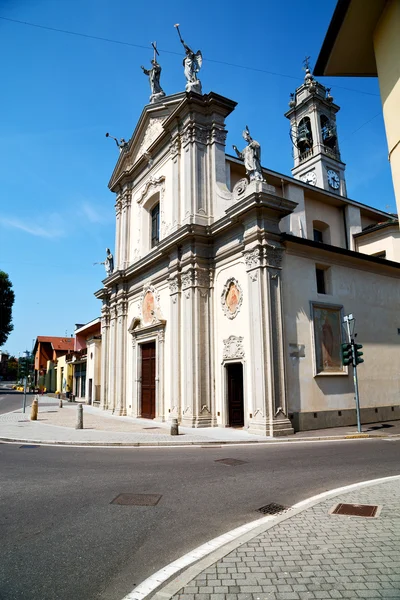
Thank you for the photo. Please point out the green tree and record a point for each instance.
(7, 298)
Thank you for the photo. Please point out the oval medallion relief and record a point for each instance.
(231, 298)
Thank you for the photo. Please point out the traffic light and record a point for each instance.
(347, 354)
(358, 354)
(23, 367)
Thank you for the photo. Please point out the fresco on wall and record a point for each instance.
(328, 339)
(148, 308)
(232, 298)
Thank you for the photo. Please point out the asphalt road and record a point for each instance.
(61, 539)
(11, 400)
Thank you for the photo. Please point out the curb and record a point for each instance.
(182, 444)
(166, 582)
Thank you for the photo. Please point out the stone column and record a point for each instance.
(278, 421)
(174, 328)
(160, 400)
(266, 335)
(126, 227)
(120, 358)
(257, 370)
(175, 150)
(112, 358)
(196, 367)
(117, 252)
(105, 356)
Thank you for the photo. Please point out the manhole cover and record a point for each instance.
(272, 509)
(29, 446)
(356, 510)
(232, 462)
(137, 499)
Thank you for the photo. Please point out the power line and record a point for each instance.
(361, 126)
(122, 43)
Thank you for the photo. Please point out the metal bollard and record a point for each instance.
(79, 417)
(60, 405)
(174, 427)
(34, 409)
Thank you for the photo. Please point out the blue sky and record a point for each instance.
(61, 93)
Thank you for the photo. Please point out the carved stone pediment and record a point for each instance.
(149, 128)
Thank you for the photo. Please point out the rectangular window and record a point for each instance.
(321, 284)
(155, 225)
(317, 236)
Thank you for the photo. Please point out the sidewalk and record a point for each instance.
(57, 426)
(302, 554)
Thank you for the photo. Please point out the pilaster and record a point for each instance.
(196, 357)
(111, 367)
(174, 327)
(263, 265)
(120, 362)
(105, 358)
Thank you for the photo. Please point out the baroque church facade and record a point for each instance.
(226, 303)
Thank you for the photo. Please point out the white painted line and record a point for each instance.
(154, 581)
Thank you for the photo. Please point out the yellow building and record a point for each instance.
(64, 375)
(363, 40)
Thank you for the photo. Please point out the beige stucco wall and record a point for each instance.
(373, 297)
(379, 241)
(331, 215)
(387, 53)
(67, 375)
(93, 369)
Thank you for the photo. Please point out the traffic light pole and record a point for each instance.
(355, 377)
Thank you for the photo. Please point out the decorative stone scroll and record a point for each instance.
(240, 188)
(233, 348)
(231, 298)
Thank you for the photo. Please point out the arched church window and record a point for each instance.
(304, 139)
(328, 130)
(155, 225)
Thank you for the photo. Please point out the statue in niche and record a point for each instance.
(154, 77)
(192, 65)
(251, 155)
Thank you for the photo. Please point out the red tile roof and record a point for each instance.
(57, 343)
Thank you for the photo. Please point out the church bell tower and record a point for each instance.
(312, 116)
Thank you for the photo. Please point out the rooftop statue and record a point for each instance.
(108, 263)
(154, 77)
(192, 65)
(122, 143)
(251, 155)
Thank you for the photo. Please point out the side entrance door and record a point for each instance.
(234, 374)
(148, 400)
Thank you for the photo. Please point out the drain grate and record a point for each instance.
(152, 428)
(137, 499)
(231, 462)
(369, 511)
(29, 446)
(272, 509)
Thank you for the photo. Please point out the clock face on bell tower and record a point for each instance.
(312, 115)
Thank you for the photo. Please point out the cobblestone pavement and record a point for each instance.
(314, 554)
